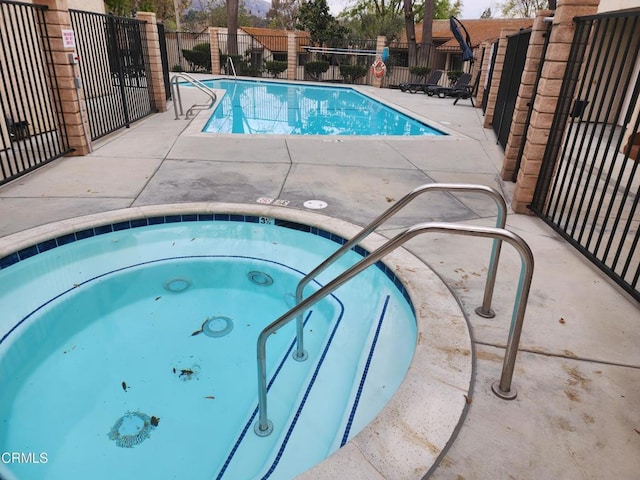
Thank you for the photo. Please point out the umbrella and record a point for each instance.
(465, 43)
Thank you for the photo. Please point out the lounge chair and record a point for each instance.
(460, 90)
(431, 82)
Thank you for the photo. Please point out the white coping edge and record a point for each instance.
(416, 427)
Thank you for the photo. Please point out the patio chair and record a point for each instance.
(461, 89)
(431, 82)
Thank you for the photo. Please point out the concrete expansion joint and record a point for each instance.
(567, 354)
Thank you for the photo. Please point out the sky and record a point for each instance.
(470, 8)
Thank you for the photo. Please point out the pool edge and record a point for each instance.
(409, 436)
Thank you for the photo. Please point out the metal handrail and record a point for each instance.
(177, 99)
(501, 388)
(484, 310)
(233, 68)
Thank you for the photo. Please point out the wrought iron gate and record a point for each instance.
(589, 186)
(114, 66)
(514, 60)
(164, 58)
(30, 133)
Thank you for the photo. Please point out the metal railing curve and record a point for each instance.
(177, 99)
(233, 67)
(501, 388)
(484, 310)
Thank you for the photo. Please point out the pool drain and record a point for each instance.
(260, 278)
(177, 285)
(217, 326)
(132, 429)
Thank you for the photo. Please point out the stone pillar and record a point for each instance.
(498, 66)
(292, 56)
(215, 51)
(380, 44)
(525, 93)
(155, 60)
(71, 110)
(545, 105)
(485, 66)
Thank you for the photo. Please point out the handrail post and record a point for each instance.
(196, 83)
(503, 388)
(484, 310)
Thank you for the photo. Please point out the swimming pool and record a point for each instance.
(277, 108)
(424, 403)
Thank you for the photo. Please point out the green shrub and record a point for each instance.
(275, 68)
(176, 68)
(454, 75)
(351, 73)
(420, 72)
(199, 57)
(316, 69)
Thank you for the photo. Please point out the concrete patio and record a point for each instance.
(576, 415)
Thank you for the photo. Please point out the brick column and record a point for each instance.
(381, 41)
(525, 93)
(498, 66)
(292, 56)
(155, 60)
(215, 51)
(485, 66)
(71, 110)
(555, 63)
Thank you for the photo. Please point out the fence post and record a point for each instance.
(498, 66)
(155, 59)
(215, 51)
(485, 66)
(381, 41)
(292, 56)
(555, 64)
(71, 111)
(525, 93)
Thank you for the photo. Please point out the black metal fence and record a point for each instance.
(30, 132)
(515, 57)
(589, 186)
(188, 52)
(164, 57)
(114, 65)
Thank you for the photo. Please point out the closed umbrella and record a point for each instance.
(465, 43)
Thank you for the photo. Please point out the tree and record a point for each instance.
(232, 27)
(410, 27)
(523, 8)
(368, 25)
(427, 31)
(370, 18)
(283, 13)
(314, 18)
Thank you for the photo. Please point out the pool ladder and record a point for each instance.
(177, 99)
(228, 64)
(502, 388)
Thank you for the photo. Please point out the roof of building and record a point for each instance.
(275, 40)
(479, 30)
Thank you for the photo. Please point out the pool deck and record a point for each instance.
(577, 374)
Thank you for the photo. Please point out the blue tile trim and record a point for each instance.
(9, 260)
(287, 436)
(363, 378)
(28, 252)
(255, 411)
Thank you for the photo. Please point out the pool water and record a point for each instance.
(131, 354)
(258, 107)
